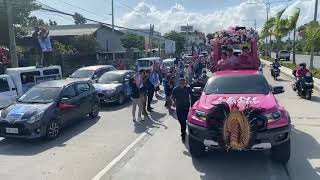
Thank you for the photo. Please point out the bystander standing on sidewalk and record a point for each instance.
(143, 91)
(181, 98)
(135, 97)
(168, 84)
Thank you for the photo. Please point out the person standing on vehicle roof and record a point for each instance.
(181, 98)
(231, 58)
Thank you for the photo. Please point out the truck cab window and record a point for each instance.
(4, 86)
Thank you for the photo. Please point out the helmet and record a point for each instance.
(276, 59)
(303, 64)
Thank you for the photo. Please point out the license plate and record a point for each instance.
(12, 130)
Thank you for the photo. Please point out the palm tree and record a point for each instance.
(293, 26)
(277, 27)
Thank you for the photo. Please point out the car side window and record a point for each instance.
(82, 87)
(69, 92)
(4, 86)
(100, 72)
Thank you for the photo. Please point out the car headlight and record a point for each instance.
(201, 115)
(110, 91)
(35, 118)
(275, 116)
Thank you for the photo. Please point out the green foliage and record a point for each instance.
(178, 38)
(63, 49)
(79, 19)
(84, 44)
(21, 17)
(130, 41)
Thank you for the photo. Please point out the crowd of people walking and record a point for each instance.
(176, 92)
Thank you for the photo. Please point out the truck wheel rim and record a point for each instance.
(95, 110)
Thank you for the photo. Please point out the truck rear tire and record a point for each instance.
(196, 148)
(281, 153)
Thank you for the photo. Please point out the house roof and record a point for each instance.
(70, 30)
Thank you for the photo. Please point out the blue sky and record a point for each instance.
(204, 15)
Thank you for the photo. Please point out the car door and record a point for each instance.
(8, 93)
(85, 97)
(68, 114)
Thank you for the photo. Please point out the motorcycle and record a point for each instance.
(275, 72)
(305, 87)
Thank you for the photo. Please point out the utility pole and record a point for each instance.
(268, 4)
(13, 51)
(315, 20)
(113, 33)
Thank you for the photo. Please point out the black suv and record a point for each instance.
(47, 107)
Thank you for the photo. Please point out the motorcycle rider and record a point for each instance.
(275, 65)
(300, 72)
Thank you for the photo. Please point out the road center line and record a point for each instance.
(118, 158)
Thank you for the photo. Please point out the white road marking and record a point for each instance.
(118, 158)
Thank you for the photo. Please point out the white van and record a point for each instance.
(147, 63)
(16, 81)
(169, 63)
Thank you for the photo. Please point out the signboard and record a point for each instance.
(170, 46)
(186, 28)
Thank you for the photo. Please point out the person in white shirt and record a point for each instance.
(233, 60)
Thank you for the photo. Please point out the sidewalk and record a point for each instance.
(288, 72)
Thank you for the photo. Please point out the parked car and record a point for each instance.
(47, 107)
(92, 73)
(284, 55)
(233, 116)
(113, 86)
(147, 63)
(16, 81)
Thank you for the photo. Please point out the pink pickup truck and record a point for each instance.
(237, 110)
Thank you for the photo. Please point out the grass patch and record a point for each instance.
(315, 72)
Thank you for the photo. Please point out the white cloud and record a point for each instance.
(165, 20)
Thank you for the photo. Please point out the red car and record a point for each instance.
(237, 110)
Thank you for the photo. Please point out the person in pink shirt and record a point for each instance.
(245, 59)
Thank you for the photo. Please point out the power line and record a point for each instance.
(125, 5)
(72, 5)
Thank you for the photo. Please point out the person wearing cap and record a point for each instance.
(181, 98)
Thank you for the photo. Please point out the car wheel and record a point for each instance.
(196, 148)
(121, 99)
(281, 153)
(53, 129)
(94, 110)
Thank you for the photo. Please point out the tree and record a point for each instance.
(293, 26)
(79, 19)
(312, 36)
(53, 23)
(277, 27)
(130, 41)
(178, 38)
(210, 36)
(21, 10)
(84, 44)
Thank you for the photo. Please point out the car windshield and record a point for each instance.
(110, 78)
(143, 63)
(40, 95)
(82, 73)
(234, 84)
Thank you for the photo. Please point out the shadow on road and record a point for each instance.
(304, 149)
(151, 121)
(22, 147)
(114, 106)
(315, 99)
(258, 165)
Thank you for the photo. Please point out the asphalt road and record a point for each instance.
(113, 147)
(300, 58)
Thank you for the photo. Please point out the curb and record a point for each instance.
(288, 72)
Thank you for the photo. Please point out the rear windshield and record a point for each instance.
(238, 84)
(82, 73)
(110, 78)
(143, 63)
